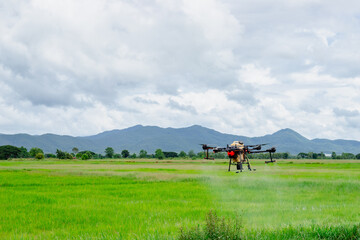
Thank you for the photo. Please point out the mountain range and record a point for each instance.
(151, 138)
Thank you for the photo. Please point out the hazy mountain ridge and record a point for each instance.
(175, 139)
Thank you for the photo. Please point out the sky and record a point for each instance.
(243, 67)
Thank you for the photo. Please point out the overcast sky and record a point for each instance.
(243, 67)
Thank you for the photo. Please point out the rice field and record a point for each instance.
(153, 199)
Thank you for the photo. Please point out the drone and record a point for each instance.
(237, 153)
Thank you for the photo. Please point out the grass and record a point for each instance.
(232, 229)
(214, 228)
(147, 199)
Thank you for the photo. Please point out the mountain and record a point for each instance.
(151, 138)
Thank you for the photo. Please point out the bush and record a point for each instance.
(63, 155)
(215, 228)
(89, 153)
(98, 156)
(85, 156)
(34, 151)
(50, 155)
(39, 156)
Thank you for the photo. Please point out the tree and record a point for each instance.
(125, 153)
(109, 152)
(75, 150)
(302, 155)
(312, 155)
(221, 155)
(142, 153)
(85, 156)
(333, 155)
(133, 155)
(321, 155)
(347, 156)
(97, 156)
(63, 155)
(23, 153)
(170, 154)
(8, 151)
(357, 156)
(182, 154)
(60, 154)
(159, 154)
(191, 154)
(33, 151)
(201, 154)
(89, 153)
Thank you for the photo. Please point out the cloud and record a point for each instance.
(250, 73)
(346, 113)
(144, 100)
(242, 95)
(187, 108)
(244, 67)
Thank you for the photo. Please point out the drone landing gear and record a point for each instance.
(239, 165)
(248, 163)
(271, 159)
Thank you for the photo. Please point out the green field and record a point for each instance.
(148, 199)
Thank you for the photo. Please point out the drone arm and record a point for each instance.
(271, 150)
(216, 150)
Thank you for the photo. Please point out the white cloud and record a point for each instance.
(242, 67)
(324, 35)
(250, 73)
(215, 20)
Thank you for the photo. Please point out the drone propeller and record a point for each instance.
(205, 146)
(262, 144)
(273, 149)
(257, 147)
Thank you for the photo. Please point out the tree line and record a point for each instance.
(8, 151)
(302, 155)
